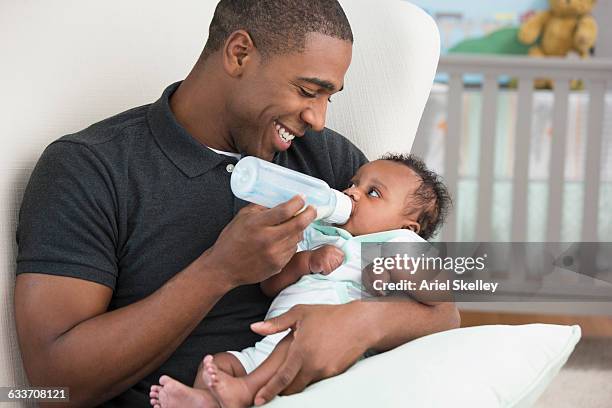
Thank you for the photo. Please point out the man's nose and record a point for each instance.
(314, 114)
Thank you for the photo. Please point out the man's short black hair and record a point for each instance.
(431, 197)
(277, 26)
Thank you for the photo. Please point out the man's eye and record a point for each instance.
(374, 193)
(307, 94)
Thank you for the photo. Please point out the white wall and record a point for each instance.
(603, 15)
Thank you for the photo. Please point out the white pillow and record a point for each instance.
(484, 366)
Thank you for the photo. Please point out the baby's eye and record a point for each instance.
(373, 193)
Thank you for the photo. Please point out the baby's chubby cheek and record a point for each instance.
(350, 224)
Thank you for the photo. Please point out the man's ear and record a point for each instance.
(238, 51)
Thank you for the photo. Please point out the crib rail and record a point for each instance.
(597, 77)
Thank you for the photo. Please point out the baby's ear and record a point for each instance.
(413, 226)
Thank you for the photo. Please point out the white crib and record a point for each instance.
(505, 178)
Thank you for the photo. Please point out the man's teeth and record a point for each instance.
(284, 134)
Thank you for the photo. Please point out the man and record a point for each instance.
(134, 257)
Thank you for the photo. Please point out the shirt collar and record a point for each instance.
(383, 236)
(187, 154)
(330, 230)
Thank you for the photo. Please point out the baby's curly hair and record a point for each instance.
(432, 196)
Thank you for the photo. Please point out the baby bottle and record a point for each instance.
(269, 184)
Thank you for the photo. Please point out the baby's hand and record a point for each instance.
(325, 259)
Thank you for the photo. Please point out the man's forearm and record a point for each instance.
(391, 323)
(103, 356)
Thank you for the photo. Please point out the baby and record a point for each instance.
(395, 198)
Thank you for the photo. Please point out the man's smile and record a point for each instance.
(286, 134)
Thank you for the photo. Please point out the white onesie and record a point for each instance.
(341, 286)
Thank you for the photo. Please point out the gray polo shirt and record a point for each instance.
(131, 201)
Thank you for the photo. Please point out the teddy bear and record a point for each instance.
(566, 27)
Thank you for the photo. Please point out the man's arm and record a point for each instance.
(357, 327)
(410, 321)
(321, 260)
(68, 338)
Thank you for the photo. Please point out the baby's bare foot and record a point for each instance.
(231, 392)
(154, 395)
(173, 394)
